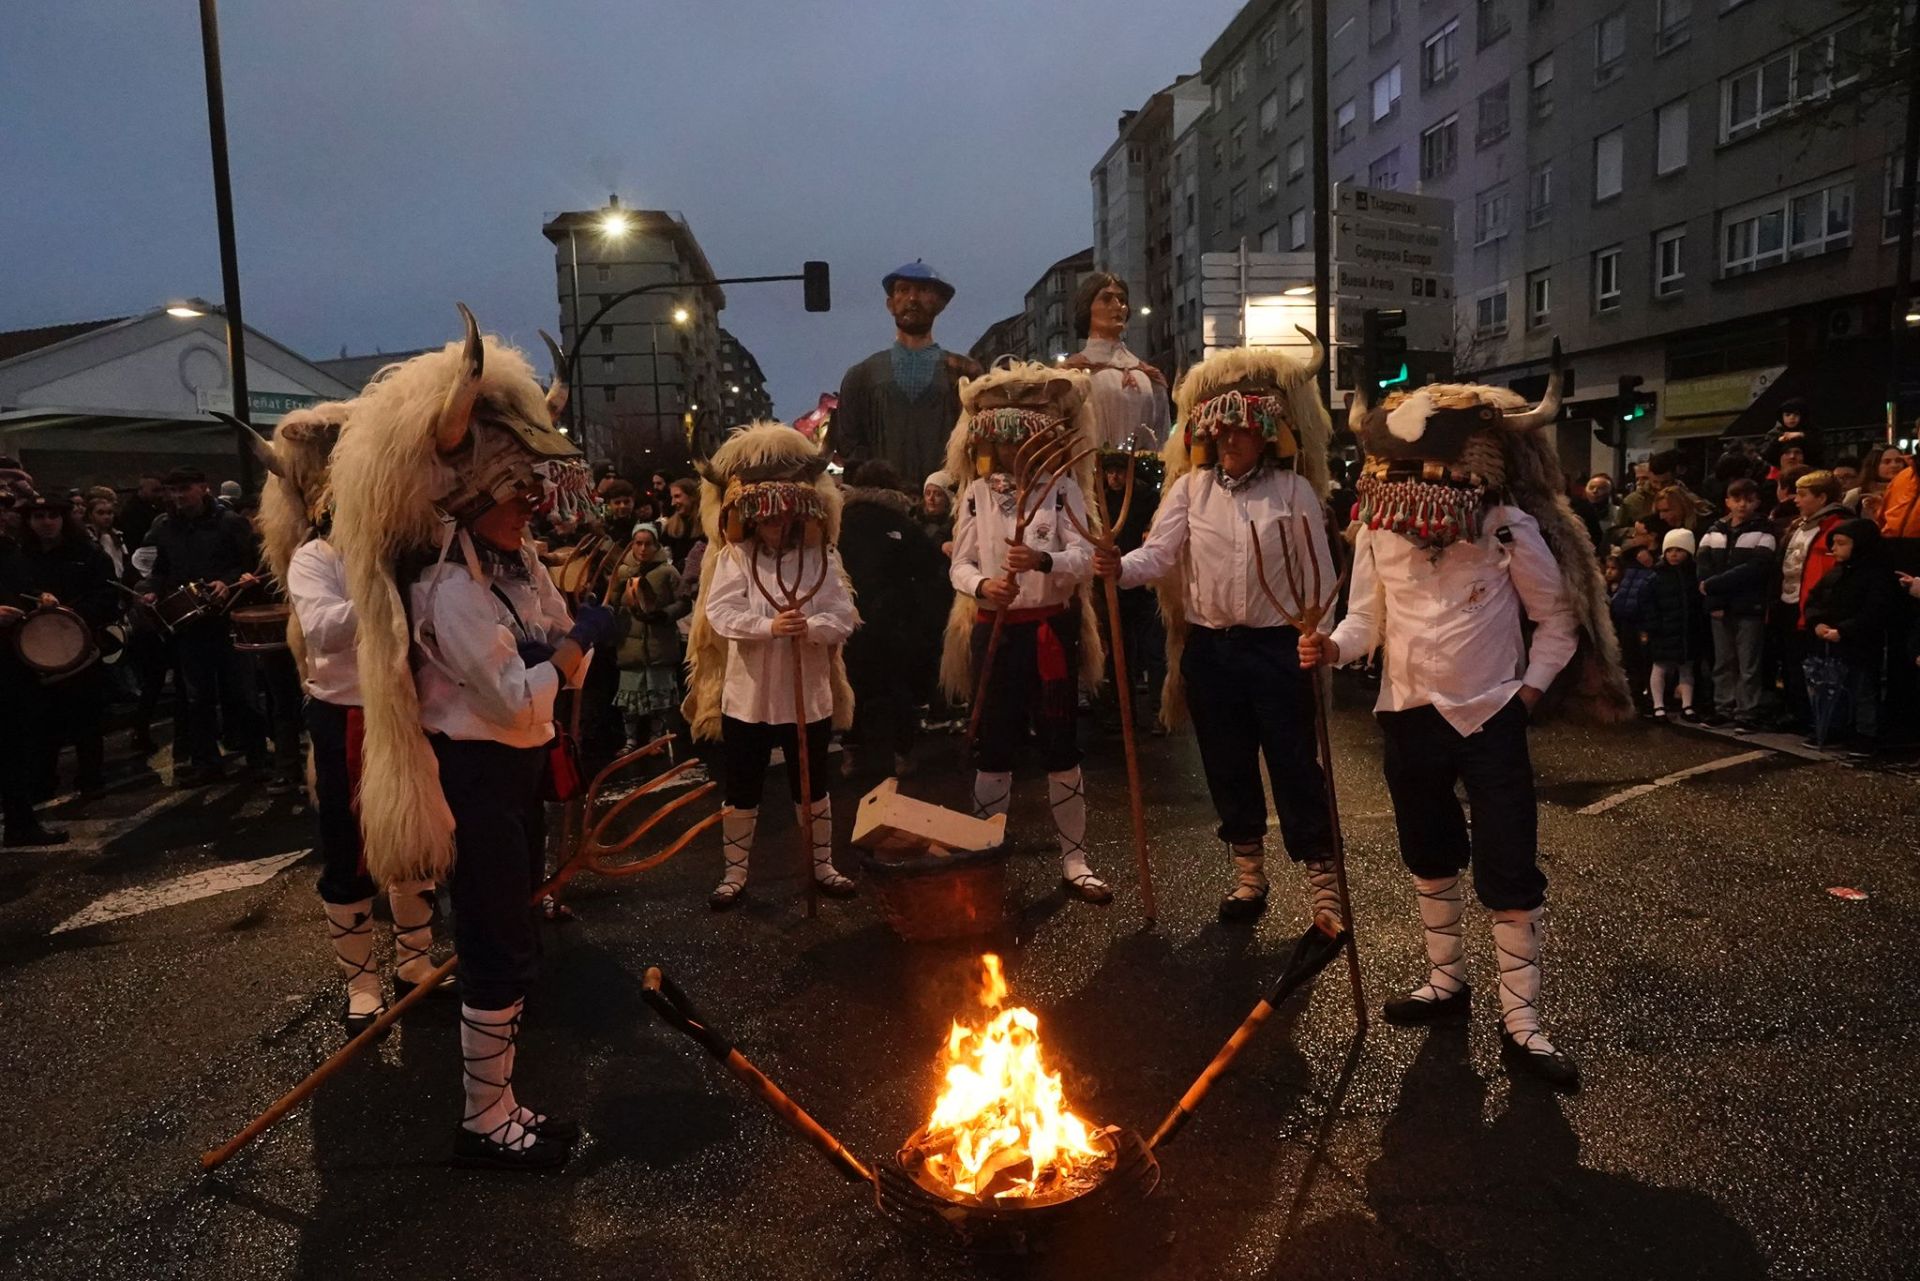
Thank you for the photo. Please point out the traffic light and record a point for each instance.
(1630, 404)
(1382, 335)
(816, 286)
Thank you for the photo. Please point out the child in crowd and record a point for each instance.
(1629, 582)
(1736, 573)
(1674, 627)
(1847, 613)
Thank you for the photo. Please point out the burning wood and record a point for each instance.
(1001, 1129)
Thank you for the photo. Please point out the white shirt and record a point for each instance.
(1452, 626)
(1119, 410)
(759, 685)
(472, 683)
(317, 590)
(981, 532)
(1201, 526)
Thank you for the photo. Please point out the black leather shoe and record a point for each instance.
(1408, 1011)
(1556, 1069)
(478, 1152)
(447, 986)
(1242, 911)
(556, 1129)
(358, 1023)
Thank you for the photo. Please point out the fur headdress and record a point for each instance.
(1275, 394)
(763, 469)
(1439, 456)
(1004, 406)
(433, 439)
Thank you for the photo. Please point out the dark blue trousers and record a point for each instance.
(499, 836)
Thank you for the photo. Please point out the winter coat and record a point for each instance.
(1628, 604)
(649, 637)
(1736, 565)
(74, 571)
(1819, 554)
(1675, 619)
(899, 581)
(1857, 596)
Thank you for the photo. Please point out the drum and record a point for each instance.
(54, 642)
(182, 605)
(258, 628)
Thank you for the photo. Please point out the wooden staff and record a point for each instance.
(791, 598)
(1105, 541)
(1042, 459)
(1310, 606)
(585, 856)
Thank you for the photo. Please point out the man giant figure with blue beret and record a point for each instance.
(901, 403)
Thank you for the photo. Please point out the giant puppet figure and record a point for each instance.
(295, 522)
(1247, 461)
(463, 644)
(1466, 538)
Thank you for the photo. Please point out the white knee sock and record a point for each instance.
(820, 821)
(1657, 685)
(1325, 881)
(1686, 687)
(350, 927)
(1441, 904)
(1250, 871)
(486, 1066)
(991, 793)
(736, 843)
(412, 904)
(1067, 797)
(1516, 943)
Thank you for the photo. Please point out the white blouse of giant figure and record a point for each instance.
(1129, 398)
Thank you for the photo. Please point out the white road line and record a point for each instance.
(91, 835)
(181, 889)
(1667, 780)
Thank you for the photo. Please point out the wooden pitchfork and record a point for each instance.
(591, 854)
(1104, 540)
(1304, 583)
(1042, 459)
(791, 597)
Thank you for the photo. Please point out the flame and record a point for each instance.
(1001, 1126)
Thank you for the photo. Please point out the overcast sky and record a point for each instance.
(390, 156)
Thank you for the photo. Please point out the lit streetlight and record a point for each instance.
(184, 311)
(615, 225)
(681, 315)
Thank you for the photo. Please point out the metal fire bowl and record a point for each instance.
(920, 1205)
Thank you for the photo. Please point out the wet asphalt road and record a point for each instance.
(1748, 1042)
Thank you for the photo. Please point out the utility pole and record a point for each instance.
(1903, 282)
(223, 208)
(1322, 201)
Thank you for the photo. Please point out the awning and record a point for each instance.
(1692, 425)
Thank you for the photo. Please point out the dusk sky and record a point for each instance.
(390, 156)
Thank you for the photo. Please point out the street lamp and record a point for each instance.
(184, 311)
(681, 315)
(614, 224)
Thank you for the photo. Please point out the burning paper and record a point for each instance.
(1001, 1126)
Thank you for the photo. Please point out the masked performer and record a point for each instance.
(772, 514)
(294, 522)
(1249, 461)
(461, 634)
(1049, 635)
(1467, 538)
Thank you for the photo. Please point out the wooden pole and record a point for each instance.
(1134, 803)
(1320, 694)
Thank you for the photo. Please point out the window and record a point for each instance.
(1296, 88)
(1270, 180)
(606, 365)
(1296, 158)
(1237, 212)
(606, 333)
(1297, 229)
(1669, 261)
(1269, 114)
(1270, 45)
(1219, 96)
(1386, 93)
(1540, 88)
(1490, 313)
(603, 275)
(1606, 279)
(1493, 21)
(1540, 194)
(1439, 149)
(1609, 46)
(608, 393)
(1384, 173)
(1490, 214)
(1219, 152)
(1343, 117)
(1383, 20)
(1670, 137)
(1609, 156)
(1673, 24)
(1494, 117)
(1440, 55)
(1270, 239)
(1236, 79)
(1192, 216)
(1237, 143)
(1296, 19)
(1756, 95)
(1539, 298)
(1890, 215)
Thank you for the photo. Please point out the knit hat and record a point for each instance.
(940, 479)
(1681, 538)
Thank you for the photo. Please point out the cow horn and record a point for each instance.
(1319, 359)
(262, 450)
(456, 412)
(1549, 407)
(1362, 403)
(557, 389)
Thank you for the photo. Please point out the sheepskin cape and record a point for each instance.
(294, 498)
(762, 450)
(385, 477)
(1312, 429)
(957, 676)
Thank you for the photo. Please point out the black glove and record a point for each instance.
(593, 625)
(535, 652)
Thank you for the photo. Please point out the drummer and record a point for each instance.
(54, 566)
(198, 542)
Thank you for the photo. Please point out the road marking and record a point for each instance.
(181, 889)
(91, 835)
(1667, 780)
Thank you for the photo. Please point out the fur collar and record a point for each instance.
(892, 499)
